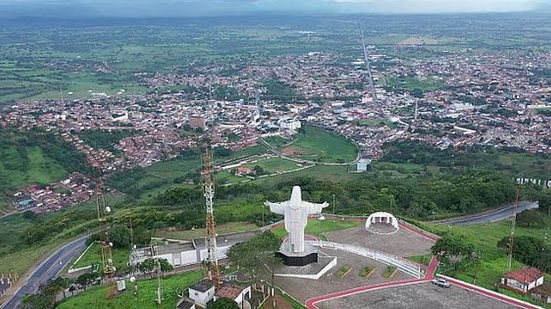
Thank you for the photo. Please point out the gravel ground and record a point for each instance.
(303, 289)
(402, 243)
(423, 295)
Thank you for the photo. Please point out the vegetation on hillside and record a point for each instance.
(104, 139)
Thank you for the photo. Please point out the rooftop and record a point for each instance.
(525, 274)
(229, 291)
(203, 285)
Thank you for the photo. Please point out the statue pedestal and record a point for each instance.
(297, 259)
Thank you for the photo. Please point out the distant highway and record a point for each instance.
(48, 269)
(491, 215)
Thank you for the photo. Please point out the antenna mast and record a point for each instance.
(211, 262)
(106, 254)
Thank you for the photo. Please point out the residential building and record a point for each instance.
(202, 292)
(523, 279)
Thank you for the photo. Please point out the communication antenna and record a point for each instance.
(211, 261)
(512, 237)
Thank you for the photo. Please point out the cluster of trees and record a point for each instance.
(473, 157)
(529, 250)
(151, 266)
(454, 251)
(221, 92)
(223, 303)
(251, 256)
(46, 296)
(121, 236)
(52, 145)
(280, 92)
(104, 139)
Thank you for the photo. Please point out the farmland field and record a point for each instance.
(318, 144)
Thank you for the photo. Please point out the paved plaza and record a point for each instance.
(421, 295)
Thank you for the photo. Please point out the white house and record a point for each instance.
(523, 279)
(202, 292)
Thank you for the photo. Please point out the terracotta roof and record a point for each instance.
(229, 291)
(525, 274)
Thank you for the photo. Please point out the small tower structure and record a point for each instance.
(211, 261)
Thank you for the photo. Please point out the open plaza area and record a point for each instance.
(420, 295)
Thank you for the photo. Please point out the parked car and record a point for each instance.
(441, 282)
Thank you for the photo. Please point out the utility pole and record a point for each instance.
(159, 287)
(334, 203)
(512, 237)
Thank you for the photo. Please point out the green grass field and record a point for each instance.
(17, 256)
(147, 182)
(270, 166)
(93, 257)
(97, 297)
(274, 165)
(318, 144)
(493, 261)
(221, 229)
(29, 165)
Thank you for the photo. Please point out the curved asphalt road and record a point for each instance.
(492, 215)
(48, 269)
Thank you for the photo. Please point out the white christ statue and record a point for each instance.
(296, 213)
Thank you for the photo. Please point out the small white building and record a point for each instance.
(381, 217)
(289, 124)
(202, 292)
(523, 279)
(188, 253)
(362, 164)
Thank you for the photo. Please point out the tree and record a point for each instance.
(150, 266)
(530, 218)
(223, 303)
(529, 250)
(453, 249)
(258, 169)
(252, 255)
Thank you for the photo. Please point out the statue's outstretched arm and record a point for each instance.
(314, 208)
(278, 208)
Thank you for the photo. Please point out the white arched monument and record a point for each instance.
(382, 218)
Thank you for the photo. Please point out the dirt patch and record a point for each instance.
(293, 151)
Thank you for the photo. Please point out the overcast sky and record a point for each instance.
(233, 7)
